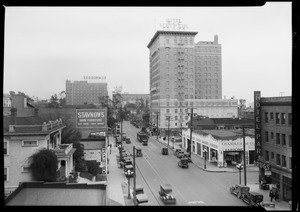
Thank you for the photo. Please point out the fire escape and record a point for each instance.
(180, 82)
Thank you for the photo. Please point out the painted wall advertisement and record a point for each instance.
(91, 118)
(257, 121)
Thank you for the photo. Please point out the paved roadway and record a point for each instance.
(191, 186)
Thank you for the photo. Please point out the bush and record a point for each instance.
(93, 167)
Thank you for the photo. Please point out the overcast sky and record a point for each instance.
(45, 46)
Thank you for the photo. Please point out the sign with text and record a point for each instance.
(257, 122)
(91, 118)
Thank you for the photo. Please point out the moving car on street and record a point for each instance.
(164, 151)
(238, 190)
(165, 194)
(183, 163)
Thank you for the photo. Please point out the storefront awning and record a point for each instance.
(232, 153)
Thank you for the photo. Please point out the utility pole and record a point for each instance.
(168, 117)
(157, 125)
(134, 177)
(189, 149)
(244, 156)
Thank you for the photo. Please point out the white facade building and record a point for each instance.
(223, 146)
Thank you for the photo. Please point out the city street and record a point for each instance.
(191, 186)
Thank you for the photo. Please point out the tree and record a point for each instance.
(43, 165)
(53, 101)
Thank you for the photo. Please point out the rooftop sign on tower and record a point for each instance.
(173, 24)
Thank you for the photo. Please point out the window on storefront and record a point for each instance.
(267, 155)
(278, 162)
(277, 138)
(5, 174)
(266, 116)
(5, 148)
(266, 136)
(290, 162)
(283, 161)
(272, 155)
(277, 118)
(290, 140)
(290, 119)
(271, 116)
(282, 118)
(272, 135)
(283, 139)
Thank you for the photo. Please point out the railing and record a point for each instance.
(63, 149)
(35, 128)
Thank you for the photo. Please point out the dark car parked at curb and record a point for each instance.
(252, 198)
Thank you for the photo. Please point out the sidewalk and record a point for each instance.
(212, 167)
(116, 180)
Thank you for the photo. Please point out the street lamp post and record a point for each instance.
(157, 125)
(129, 197)
(239, 167)
(189, 148)
(244, 156)
(134, 178)
(204, 151)
(168, 117)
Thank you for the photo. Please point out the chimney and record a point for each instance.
(216, 39)
(13, 115)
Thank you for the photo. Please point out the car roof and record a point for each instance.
(255, 193)
(129, 166)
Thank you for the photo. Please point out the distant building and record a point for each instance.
(183, 72)
(224, 147)
(273, 127)
(6, 104)
(84, 92)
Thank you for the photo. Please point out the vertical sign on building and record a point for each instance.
(257, 122)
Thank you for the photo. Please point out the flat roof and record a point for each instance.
(223, 134)
(55, 194)
(169, 32)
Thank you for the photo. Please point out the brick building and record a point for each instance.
(274, 126)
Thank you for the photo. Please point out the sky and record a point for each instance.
(45, 46)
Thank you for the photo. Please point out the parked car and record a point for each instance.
(164, 151)
(238, 190)
(187, 156)
(252, 198)
(177, 151)
(128, 171)
(128, 141)
(183, 163)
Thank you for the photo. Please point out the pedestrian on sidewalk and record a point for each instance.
(110, 148)
(276, 195)
(271, 195)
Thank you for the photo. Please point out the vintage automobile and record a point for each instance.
(177, 151)
(128, 141)
(187, 156)
(264, 186)
(183, 163)
(128, 170)
(139, 152)
(252, 198)
(165, 194)
(238, 190)
(164, 151)
(269, 206)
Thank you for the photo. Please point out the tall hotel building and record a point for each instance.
(185, 74)
(84, 92)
